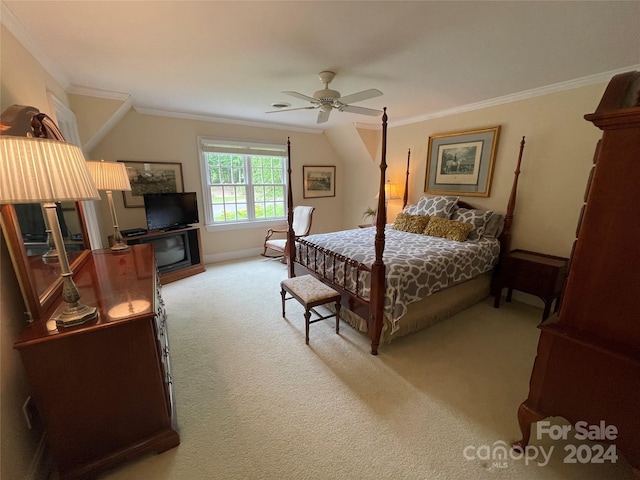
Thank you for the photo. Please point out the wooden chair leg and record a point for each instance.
(283, 294)
(338, 317)
(307, 316)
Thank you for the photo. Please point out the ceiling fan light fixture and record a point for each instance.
(327, 99)
(326, 94)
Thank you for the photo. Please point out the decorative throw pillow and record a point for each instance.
(411, 209)
(478, 218)
(436, 206)
(449, 229)
(410, 223)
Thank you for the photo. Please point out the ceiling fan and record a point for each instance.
(326, 100)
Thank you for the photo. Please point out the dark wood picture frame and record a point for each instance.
(319, 181)
(151, 177)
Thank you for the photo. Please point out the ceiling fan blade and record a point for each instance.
(323, 116)
(290, 109)
(360, 110)
(301, 96)
(358, 97)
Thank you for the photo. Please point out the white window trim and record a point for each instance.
(260, 223)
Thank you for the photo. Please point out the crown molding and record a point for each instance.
(225, 120)
(94, 92)
(17, 29)
(109, 124)
(536, 92)
(368, 126)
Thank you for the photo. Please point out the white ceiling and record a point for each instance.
(233, 59)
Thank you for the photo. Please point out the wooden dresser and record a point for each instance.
(588, 364)
(104, 388)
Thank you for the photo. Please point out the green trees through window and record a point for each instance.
(244, 186)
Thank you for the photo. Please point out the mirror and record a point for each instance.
(24, 226)
(38, 277)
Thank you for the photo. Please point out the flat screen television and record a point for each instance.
(169, 211)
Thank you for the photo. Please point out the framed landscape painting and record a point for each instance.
(151, 177)
(319, 181)
(461, 163)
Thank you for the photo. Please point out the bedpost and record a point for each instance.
(405, 197)
(376, 312)
(291, 236)
(505, 238)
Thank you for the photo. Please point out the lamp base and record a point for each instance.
(51, 256)
(76, 315)
(120, 247)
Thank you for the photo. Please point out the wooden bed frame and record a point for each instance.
(372, 309)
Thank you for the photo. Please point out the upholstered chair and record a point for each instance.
(302, 217)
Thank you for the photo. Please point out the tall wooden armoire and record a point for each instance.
(587, 367)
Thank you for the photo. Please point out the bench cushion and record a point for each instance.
(309, 289)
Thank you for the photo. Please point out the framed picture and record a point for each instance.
(151, 177)
(461, 163)
(319, 181)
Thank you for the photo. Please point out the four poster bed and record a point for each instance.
(396, 279)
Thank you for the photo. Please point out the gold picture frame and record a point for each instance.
(461, 163)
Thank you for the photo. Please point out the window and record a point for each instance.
(243, 181)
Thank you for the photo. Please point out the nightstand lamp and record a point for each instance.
(42, 170)
(391, 191)
(110, 176)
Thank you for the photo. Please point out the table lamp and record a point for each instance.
(109, 176)
(42, 170)
(391, 191)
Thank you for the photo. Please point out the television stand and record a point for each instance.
(173, 229)
(192, 264)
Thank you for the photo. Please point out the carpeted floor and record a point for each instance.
(254, 402)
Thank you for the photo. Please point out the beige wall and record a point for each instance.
(556, 161)
(23, 82)
(152, 138)
(95, 113)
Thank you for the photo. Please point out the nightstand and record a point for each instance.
(535, 273)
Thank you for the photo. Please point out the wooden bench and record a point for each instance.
(310, 292)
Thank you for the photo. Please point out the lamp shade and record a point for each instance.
(109, 175)
(391, 191)
(41, 170)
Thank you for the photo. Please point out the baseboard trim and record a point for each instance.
(236, 255)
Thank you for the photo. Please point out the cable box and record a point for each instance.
(134, 232)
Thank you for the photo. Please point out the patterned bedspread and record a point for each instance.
(416, 265)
